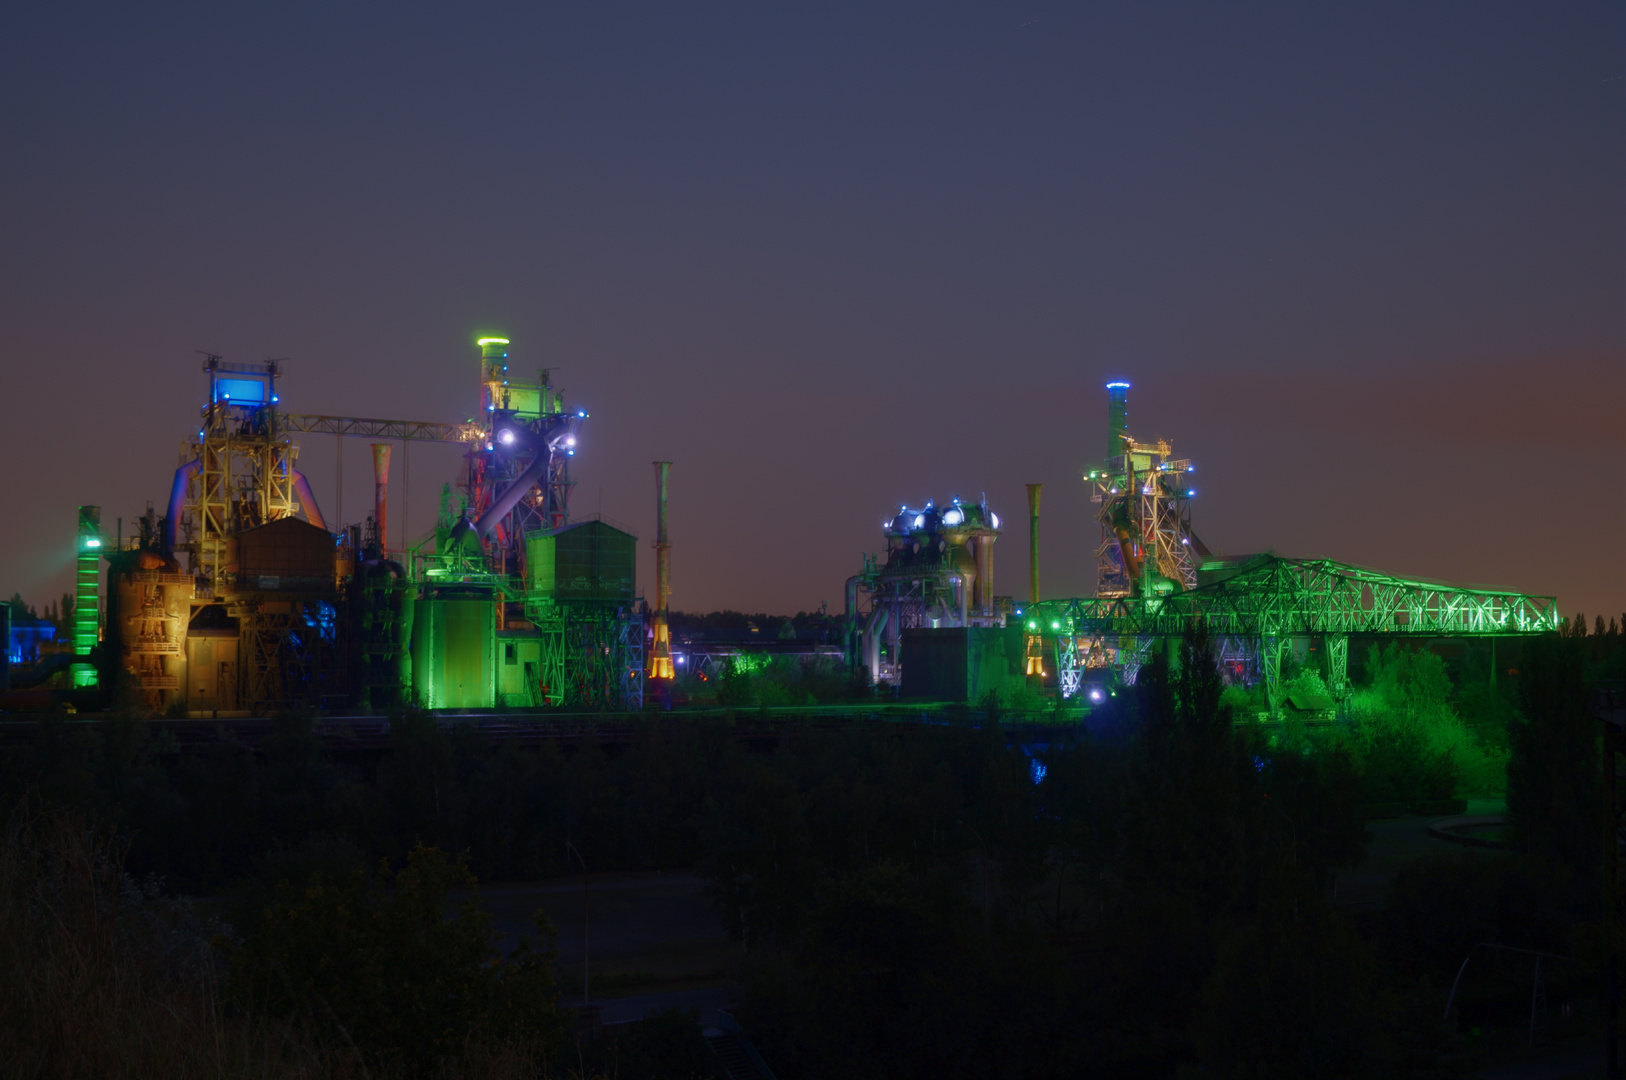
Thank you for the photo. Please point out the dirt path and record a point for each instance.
(1396, 842)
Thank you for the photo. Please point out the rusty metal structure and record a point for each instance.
(506, 602)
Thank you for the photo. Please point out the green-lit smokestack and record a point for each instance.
(86, 595)
(1117, 417)
(493, 371)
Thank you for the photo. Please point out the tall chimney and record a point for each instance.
(1033, 542)
(660, 659)
(1117, 417)
(381, 480)
(493, 373)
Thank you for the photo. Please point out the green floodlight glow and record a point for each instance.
(1055, 626)
(87, 597)
(749, 663)
(1033, 626)
(492, 341)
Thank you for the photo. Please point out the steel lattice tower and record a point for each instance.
(1144, 492)
(238, 473)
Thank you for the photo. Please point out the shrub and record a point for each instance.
(371, 963)
(1413, 746)
(1441, 906)
(1292, 994)
(106, 977)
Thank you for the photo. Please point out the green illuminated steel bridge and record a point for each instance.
(1253, 609)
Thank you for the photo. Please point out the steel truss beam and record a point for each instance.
(416, 430)
(1273, 596)
(592, 656)
(245, 478)
(1273, 599)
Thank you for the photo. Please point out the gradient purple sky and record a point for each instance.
(1365, 263)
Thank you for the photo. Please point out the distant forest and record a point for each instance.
(803, 624)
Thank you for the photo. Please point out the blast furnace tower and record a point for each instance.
(938, 573)
(1144, 492)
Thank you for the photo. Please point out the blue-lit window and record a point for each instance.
(241, 391)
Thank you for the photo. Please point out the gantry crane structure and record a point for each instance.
(1156, 580)
(1266, 601)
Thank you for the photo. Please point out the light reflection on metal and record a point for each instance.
(938, 572)
(660, 655)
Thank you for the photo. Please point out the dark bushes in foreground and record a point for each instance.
(105, 977)
(913, 900)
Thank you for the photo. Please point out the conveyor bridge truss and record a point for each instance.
(1253, 616)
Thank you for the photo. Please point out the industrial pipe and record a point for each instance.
(307, 499)
(1033, 542)
(177, 501)
(663, 543)
(514, 493)
(872, 642)
(849, 641)
(381, 482)
(660, 659)
(1122, 530)
(984, 584)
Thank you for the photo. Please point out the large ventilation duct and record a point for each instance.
(307, 499)
(516, 491)
(177, 502)
(557, 433)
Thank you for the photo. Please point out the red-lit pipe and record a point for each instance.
(381, 480)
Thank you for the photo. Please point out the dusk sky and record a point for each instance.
(1365, 264)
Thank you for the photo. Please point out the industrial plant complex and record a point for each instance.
(243, 598)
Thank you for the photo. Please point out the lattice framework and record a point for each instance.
(1254, 615)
